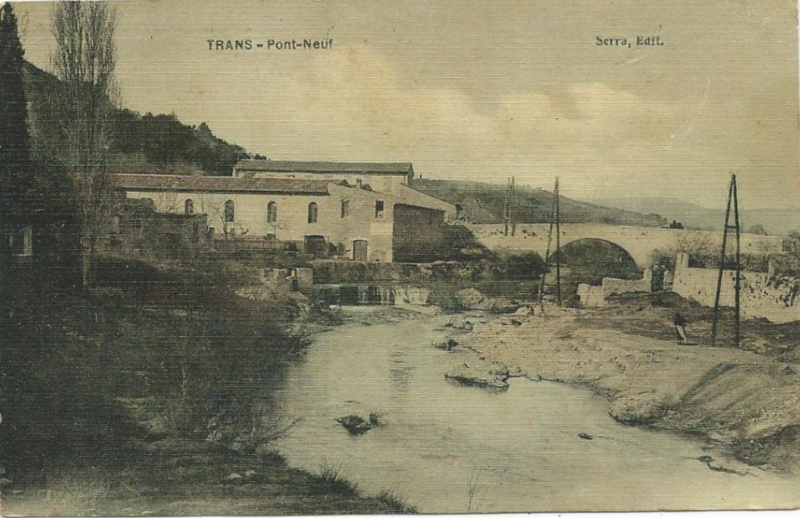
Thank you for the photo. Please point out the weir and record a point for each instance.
(353, 294)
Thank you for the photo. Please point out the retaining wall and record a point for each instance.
(776, 298)
(593, 296)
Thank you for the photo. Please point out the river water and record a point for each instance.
(451, 448)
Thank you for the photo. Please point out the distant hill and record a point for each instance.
(143, 143)
(775, 222)
(483, 203)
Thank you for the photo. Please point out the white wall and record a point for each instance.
(292, 223)
(775, 298)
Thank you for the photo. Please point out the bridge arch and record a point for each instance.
(594, 258)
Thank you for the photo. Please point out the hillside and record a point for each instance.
(483, 203)
(775, 221)
(143, 143)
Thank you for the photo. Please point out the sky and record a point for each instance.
(484, 90)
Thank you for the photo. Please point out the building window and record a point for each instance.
(345, 208)
(230, 212)
(272, 212)
(312, 212)
(188, 207)
(379, 209)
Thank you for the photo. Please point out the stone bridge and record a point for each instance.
(639, 242)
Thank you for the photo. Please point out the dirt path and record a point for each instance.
(745, 401)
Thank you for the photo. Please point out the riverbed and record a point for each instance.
(444, 447)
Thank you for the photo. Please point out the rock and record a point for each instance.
(470, 298)
(5, 481)
(354, 424)
(491, 376)
(250, 473)
(638, 409)
(375, 419)
(447, 345)
(233, 478)
(585, 436)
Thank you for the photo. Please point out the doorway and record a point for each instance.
(360, 250)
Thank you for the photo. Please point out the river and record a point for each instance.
(450, 448)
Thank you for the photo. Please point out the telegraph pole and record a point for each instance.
(555, 220)
(506, 208)
(558, 244)
(733, 199)
(512, 197)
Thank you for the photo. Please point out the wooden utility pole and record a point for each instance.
(512, 199)
(555, 220)
(733, 199)
(558, 244)
(506, 202)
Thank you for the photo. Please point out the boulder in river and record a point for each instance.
(354, 424)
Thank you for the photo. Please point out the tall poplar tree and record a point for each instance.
(83, 60)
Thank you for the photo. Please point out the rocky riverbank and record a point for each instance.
(745, 402)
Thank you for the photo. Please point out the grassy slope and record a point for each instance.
(483, 203)
(101, 374)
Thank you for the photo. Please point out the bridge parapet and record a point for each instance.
(639, 242)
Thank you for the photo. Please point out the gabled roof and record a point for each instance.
(163, 182)
(289, 166)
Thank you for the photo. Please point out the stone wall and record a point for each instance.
(776, 298)
(289, 279)
(417, 235)
(593, 296)
(333, 272)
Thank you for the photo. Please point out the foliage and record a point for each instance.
(149, 143)
(524, 266)
(84, 61)
(165, 141)
(702, 252)
(201, 358)
(788, 263)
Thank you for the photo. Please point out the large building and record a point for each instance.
(319, 214)
(391, 178)
(384, 177)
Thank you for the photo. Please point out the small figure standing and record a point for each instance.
(680, 328)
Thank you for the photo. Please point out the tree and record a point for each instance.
(83, 61)
(15, 142)
(788, 263)
(701, 250)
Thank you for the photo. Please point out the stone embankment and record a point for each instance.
(747, 402)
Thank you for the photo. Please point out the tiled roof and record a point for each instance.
(158, 182)
(288, 166)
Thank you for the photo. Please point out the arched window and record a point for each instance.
(188, 207)
(312, 212)
(272, 212)
(230, 214)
